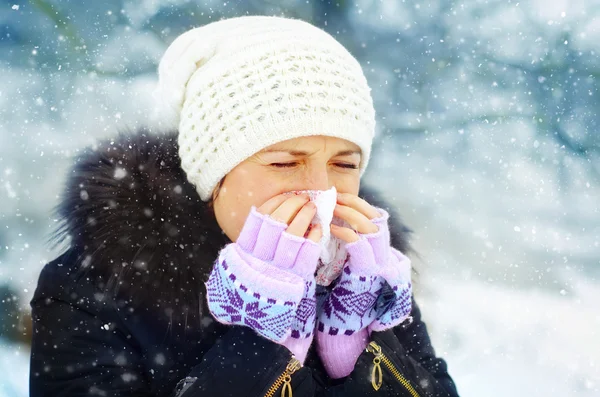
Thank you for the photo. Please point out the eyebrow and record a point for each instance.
(303, 153)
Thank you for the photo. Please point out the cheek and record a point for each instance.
(347, 184)
(240, 191)
(234, 204)
(247, 189)
(256, 186)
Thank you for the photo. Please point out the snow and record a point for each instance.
(160, 359)
(14, 369)
(506, 217)
(120, 173)
(505, 341)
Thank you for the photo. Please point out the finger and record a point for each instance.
(315, 233)
(357, 220)
(302, 220)
(287, 250)
(359, 204)
(272, 204)
(343, 233)
(361, 259)
(289, 208)
(307, 259)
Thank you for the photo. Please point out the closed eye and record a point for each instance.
(293, 164)
(347, 165)
(284, 165)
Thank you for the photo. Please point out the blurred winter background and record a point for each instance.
(488, 144)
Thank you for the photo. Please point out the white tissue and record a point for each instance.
(333, 250)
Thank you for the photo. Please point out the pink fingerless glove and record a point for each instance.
(354, 307)
(265, 280)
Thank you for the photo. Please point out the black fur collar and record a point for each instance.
(141, 230)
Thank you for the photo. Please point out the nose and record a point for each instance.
(317, 178)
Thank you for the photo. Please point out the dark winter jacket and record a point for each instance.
(121, 312)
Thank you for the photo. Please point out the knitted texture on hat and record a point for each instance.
(238, 85)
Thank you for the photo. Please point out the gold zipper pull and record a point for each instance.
(285, 379)
(286, 391)
(293, 366)
(374, 348)
(376, 373)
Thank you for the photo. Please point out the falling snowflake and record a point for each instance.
(120, 173)
(160, 359)
(120, 359)
(128, 377)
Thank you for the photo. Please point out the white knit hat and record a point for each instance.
(238, 85)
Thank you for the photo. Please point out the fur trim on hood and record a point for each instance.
(139, 227)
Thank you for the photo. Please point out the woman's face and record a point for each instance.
(305, 163)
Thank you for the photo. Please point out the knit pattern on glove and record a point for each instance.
(374, 287)
(393, 304)
(373, 293)
(350, 305)
(265, 280)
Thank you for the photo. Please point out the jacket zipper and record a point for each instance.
(286, 379)
(377, 375)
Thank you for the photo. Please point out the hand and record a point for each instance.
(265, 280)
(352, 305)
(297, 211)
(368, 247)
(392, 265)
(358, 214)
(275, 234)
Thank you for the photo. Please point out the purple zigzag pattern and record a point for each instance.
(304, 321)
(350, 306)
(234, 305)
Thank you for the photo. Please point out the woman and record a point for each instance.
(191, 267)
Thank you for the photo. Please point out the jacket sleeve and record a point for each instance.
(75, 350)
(224, 371)
(408, 349)
(79, 349)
